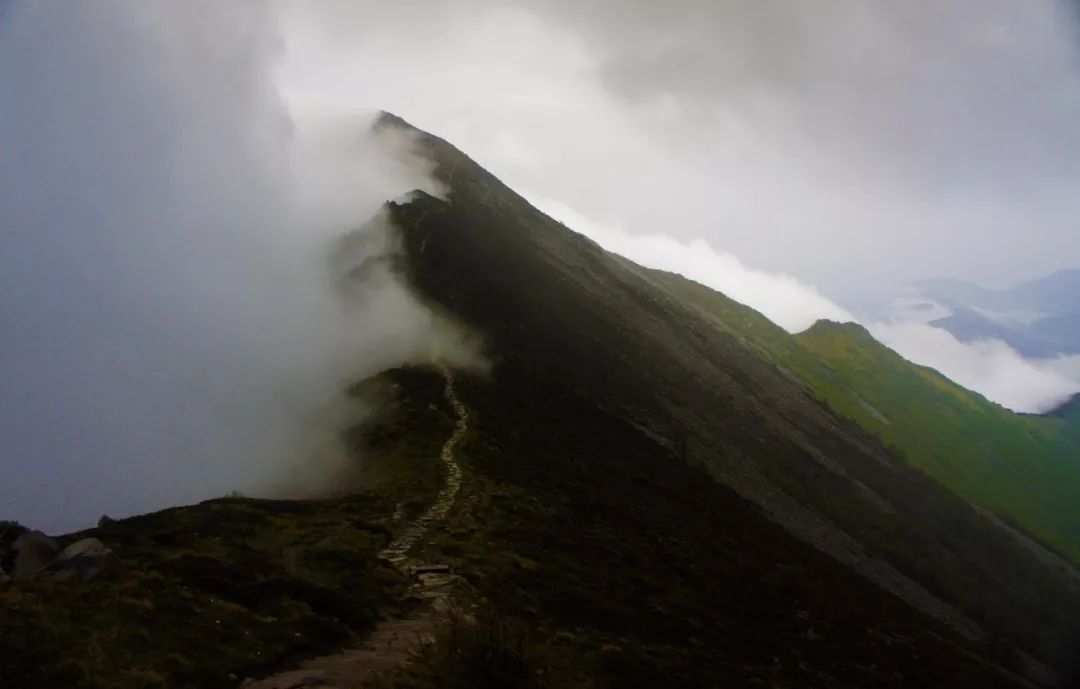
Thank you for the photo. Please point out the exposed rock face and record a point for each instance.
(35, 551)
(87, 558)
(39, 555)
(9, 532)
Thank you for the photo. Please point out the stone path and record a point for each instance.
(398, 551)
(394, 642)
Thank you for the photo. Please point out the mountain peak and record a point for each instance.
(389, 119)
(825, 326)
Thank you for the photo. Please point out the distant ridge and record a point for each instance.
(1068, 410)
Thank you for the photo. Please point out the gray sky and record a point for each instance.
(795, 156)
(172, 317)
(851, 144)
(174, 175)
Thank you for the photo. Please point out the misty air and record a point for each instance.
(539, 344)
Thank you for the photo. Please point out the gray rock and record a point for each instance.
(35, 551)
(431, 569)
(87, 558)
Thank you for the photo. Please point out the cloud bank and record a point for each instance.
(989, 367)
(784, 300)
(181, 311)
(852, 146)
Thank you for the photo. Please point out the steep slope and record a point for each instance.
(618, 564)
(1024, 468)
(605, 560)
(641, 498)
(551, 301)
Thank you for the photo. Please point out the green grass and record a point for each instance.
(1024, 468)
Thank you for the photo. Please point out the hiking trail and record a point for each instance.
(393, 642)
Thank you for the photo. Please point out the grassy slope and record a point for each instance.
(200, 596)
(1024, 468)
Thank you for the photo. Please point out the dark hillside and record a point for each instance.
(632, 568)
(550, 300)
(639, 495)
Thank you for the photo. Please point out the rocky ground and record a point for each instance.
(438, 591)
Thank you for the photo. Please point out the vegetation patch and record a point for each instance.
(203, 596)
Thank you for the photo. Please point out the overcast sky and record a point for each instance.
(804, 158)
(174, 173)
(851, 143)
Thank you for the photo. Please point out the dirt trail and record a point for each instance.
(393, 642)
(398, 551)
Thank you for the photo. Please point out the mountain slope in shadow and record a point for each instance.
(554, 307)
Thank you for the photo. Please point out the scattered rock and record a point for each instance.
(430, 569)
(87, 558)
(35, 551)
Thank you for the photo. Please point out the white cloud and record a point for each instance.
(856, 145)
(173, 326)
(783, 299)
(990, 368)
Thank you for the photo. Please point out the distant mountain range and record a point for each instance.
(1039, 318)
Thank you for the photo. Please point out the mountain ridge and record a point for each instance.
(648, 492)
(699, 387)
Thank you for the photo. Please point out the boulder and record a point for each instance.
(9, 532)
(87, 558)
(34, 550)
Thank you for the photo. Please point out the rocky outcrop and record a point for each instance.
(87, 558)
(37, 555)
(34, 551)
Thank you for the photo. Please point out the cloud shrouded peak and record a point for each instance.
(176, 237)
(176, 173)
